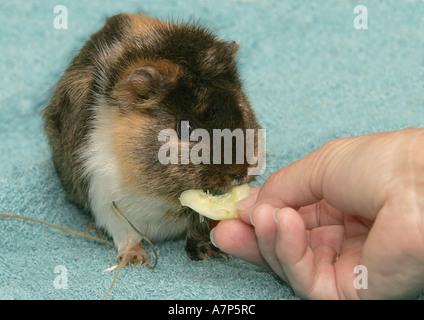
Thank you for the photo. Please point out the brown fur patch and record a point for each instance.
(129, 92)
(142, 24)
(77, 85)
(128, 129)
(167, 68)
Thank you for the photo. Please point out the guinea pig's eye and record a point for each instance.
(184, 128)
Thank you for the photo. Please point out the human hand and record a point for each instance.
(354, 201)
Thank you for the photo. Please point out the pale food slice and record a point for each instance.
(220, 207)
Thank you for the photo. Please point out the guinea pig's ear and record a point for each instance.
(142, 85)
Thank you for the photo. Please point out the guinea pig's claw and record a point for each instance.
(135, 255)
(202, 250)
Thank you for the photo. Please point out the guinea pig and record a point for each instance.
(133, 78)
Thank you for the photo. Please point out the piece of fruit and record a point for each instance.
(220, 207)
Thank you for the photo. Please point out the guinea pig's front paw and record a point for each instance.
(135, 255)
(201, 249)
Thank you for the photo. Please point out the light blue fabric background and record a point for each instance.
(310, 75)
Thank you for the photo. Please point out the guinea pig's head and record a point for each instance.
(181, 122)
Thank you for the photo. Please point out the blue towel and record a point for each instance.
(309, 72)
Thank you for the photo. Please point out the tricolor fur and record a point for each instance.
(133, 78)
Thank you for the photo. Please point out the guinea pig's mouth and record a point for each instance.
(215, 192)
(220, 190)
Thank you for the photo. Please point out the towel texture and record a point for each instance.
(310, 74)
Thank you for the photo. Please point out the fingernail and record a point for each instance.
(212, 237)
(250, 216)
(274, 214)
(246, 203)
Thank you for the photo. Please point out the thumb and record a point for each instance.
(349, 173)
